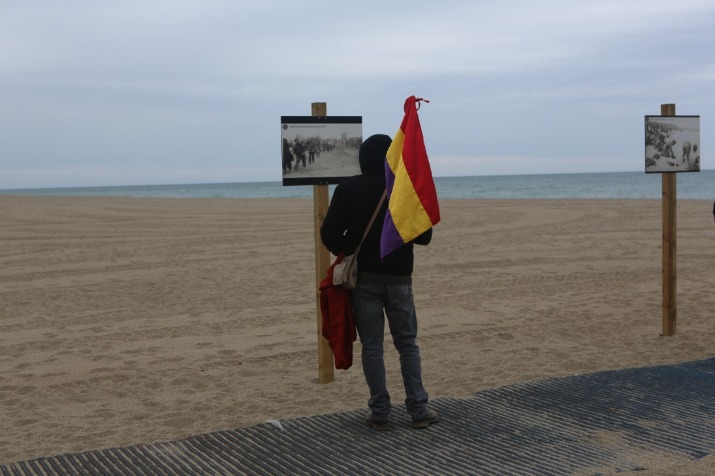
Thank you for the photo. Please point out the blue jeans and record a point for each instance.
(397, 302)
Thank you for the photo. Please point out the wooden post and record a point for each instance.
(669, 242)
(322, 262)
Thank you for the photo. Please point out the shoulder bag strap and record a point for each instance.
(372, 220)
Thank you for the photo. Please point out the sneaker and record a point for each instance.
(423, 422)
(379, 425)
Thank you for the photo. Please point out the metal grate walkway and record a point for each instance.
(608, 421)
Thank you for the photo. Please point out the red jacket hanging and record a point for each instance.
(338, 325)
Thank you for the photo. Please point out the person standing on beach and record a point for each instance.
(287, 156)
(384, 287)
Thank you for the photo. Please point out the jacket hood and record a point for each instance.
(372, 154)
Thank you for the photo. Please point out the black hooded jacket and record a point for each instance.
(353, 203)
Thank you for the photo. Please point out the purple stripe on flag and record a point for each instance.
(389, 180)
(390, 239)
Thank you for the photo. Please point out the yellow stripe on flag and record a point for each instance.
(408, 214)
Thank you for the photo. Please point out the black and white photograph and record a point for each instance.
(672, 144)
(320, 149)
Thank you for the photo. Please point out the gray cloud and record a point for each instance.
(133, 92)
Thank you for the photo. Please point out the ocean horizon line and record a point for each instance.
(626, 184)
(279, 181)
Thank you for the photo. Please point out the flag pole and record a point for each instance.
(322, 263)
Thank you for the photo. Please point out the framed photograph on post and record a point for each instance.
(320, 150)
(672, 144)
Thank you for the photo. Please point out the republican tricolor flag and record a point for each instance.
(411, 194)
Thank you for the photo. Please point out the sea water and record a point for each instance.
(621, 185)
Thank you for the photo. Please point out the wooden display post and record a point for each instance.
(322, 262)
(669, 242)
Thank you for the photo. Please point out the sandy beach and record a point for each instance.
(127, 321)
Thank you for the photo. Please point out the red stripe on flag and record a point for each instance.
(414, 156)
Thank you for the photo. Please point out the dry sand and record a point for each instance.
(127, 321)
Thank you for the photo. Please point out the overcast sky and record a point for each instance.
(128, 92)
